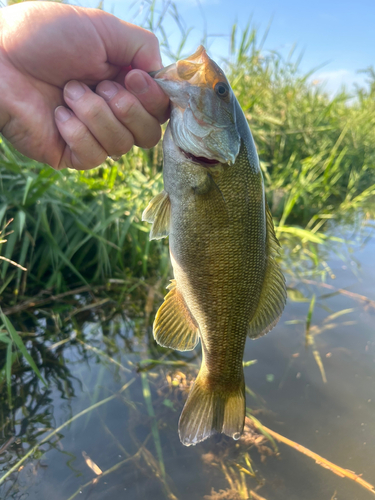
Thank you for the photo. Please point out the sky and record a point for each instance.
(338, 34)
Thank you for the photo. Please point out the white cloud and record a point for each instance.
(334, 81)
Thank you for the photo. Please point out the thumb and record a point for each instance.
(126, 44)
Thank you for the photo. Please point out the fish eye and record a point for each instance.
(222, 89)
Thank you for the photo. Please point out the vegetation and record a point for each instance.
(85, 248)
(74, 227)
(317, 153)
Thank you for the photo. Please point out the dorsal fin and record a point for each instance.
(273, 295)
(158, 212)
(174, 325)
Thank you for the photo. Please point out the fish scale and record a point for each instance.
(222, 253)
(227, 283)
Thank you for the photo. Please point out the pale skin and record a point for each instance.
(74, 87)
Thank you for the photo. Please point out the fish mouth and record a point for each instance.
(201, 160)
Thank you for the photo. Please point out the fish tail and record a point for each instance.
(212, 409)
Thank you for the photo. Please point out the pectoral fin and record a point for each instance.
(158, 212)
(273, 296)
(174, 325)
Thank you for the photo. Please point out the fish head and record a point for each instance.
(203, 114)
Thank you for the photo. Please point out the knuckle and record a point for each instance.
(83, 161)
(153, 40)
(93, 108)
(122, 146)
(158, 107)
(92, 157)
(77, 133)
(99, 158)
(128, 106)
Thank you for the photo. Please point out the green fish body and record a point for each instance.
(227, 283)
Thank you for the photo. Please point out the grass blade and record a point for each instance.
(20, 345)
(154, 424)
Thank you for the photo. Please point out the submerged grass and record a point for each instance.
(154, 425)
(339, 471)
(58, 429)
(152, 400)
(77, 238)
(83, 229)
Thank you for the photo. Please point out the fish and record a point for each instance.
(227, 282)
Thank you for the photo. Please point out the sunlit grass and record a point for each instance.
(317, 154)
(78, 233)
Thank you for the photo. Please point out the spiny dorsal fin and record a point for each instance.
(273, 295)
(158, 212)
(174, 326)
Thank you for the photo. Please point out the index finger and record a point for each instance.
(149, 93)
(126, 44)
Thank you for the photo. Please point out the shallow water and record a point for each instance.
(130, 407)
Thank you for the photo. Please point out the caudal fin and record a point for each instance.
(209, 410)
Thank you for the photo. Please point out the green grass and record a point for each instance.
(72, 228)
(82, 231)
(317, 154)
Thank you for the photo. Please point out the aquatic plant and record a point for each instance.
(317, 154)
(88, 257)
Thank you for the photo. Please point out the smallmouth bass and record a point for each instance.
(222, 243)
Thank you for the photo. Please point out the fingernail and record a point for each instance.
(107, 90)
(136, 82)
(74, 90)
(62, 114)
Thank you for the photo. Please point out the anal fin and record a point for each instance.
(158, 211)
(273, 295)
(174, 325)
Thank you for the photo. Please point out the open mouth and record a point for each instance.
(205, 162)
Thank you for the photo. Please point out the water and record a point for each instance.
(119, 411)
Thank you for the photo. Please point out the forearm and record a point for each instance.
(4, 113)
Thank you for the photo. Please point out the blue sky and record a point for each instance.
(339, 33)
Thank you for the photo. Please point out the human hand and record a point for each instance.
(51, 56)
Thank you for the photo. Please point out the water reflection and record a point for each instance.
(106, 426)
